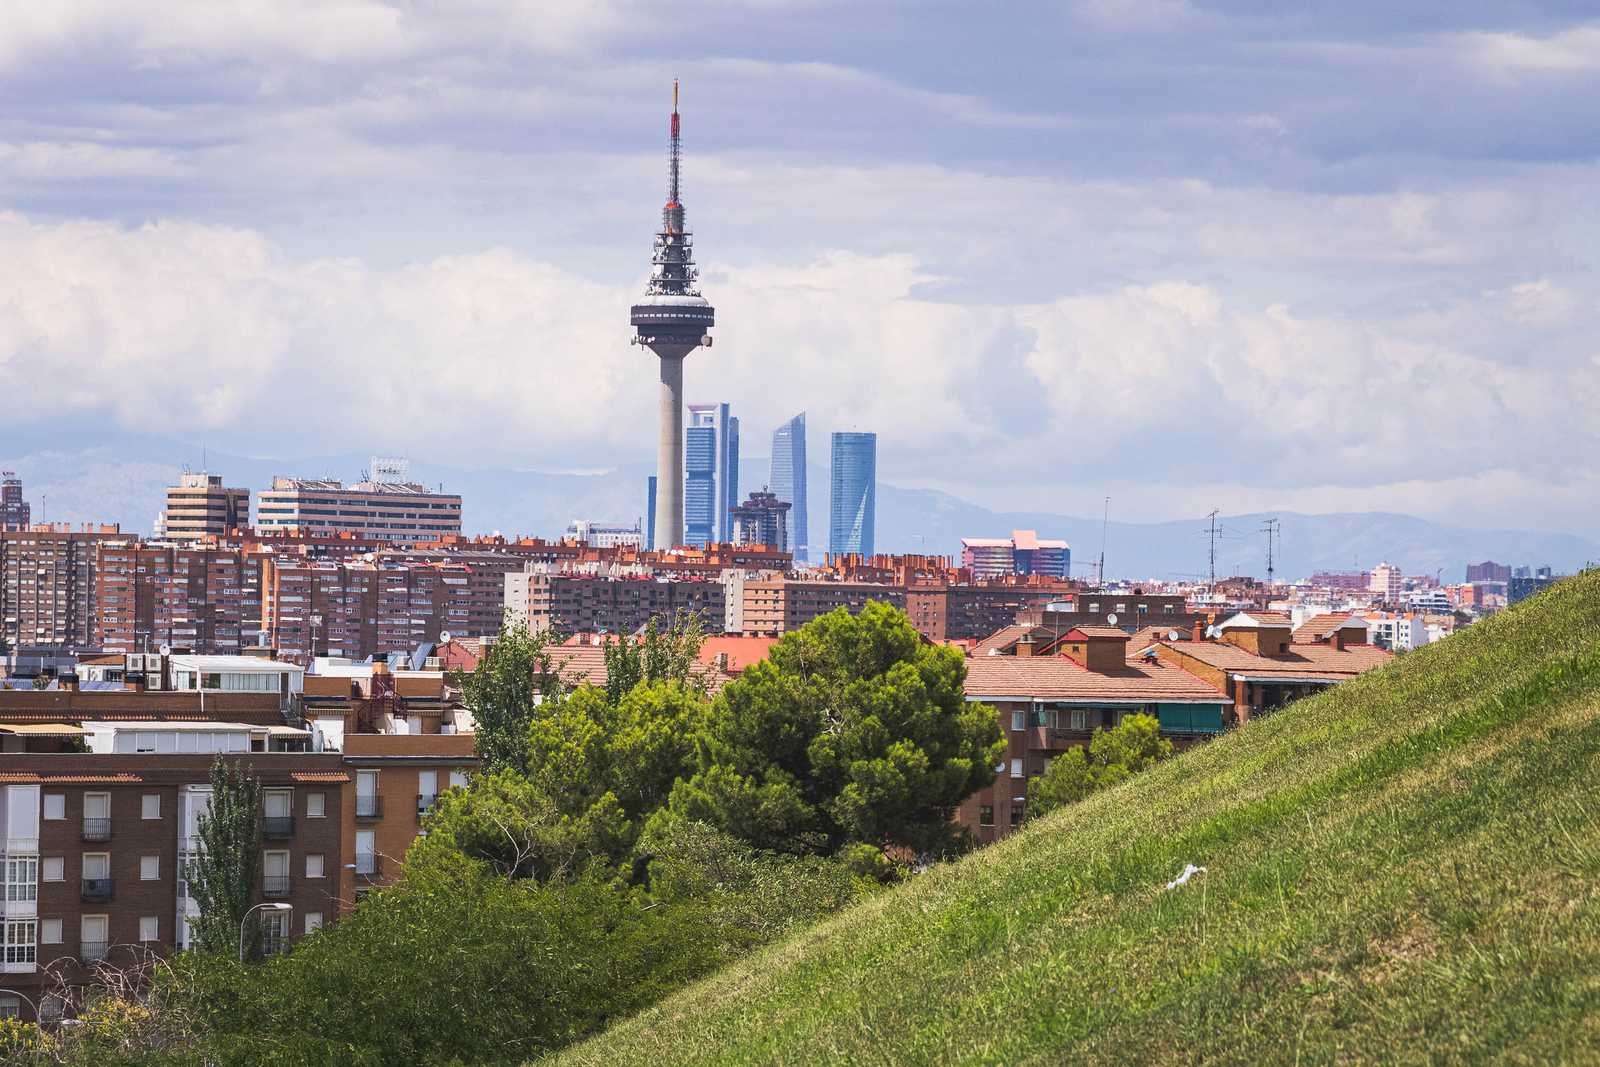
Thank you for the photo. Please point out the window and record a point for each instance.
(316, 805)
(1019, 720)
(313, 921)
(22, 878)
(1080, 719)
(314, 865)
(53, 869)
(49, 931)
(10, 1008)
(1016, 768)
(150, 806)
(21, 935)
(1016, 817)
(96, 865)
(149, 928)
(986, 815)
(366, 852)
(149, 868)
(55, 805)
(458, 778)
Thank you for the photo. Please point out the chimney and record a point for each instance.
(1338, 637)
(1025, 645)
(1199, 630)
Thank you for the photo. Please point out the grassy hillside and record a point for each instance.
(1406, 869)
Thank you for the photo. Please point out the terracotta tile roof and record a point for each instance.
(319, 776)
(1058, 678)
(1313, 662)
(1149, 635)
(109, 779)
(1115, 633)
(577, 664)
(742, 651)
(1266, 618)
(1001, 639)
(1320, 626)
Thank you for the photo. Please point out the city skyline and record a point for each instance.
(1284, 260)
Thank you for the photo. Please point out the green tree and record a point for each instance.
(515, 672)
(657, 656)
(222, 876)
(854, 729)
(1110, 757)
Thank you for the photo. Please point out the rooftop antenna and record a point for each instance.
(1105, 520)
(1270, 528)
(1213, 567)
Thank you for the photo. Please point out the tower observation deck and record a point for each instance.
(671, 321)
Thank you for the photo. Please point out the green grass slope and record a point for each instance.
(1405, 869)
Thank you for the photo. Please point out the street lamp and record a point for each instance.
(276, 907)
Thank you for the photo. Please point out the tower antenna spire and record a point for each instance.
(673, 152)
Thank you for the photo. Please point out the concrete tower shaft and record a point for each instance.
(671, 321)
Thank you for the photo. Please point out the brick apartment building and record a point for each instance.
(1050, 703)
(96, 844)
(202, 597)
(773, 607)
(47, 584)
(967, 611)
(586, 603)
(96, 841)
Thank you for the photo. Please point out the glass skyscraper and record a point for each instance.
(854, 493)
(711, 474)
(789, 480)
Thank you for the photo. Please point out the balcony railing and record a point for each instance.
(91, 951)
(97, 829)
(277, 826)
(425, 802)
(369, 807)
(98, 890)
(367, 864)
(276, 885)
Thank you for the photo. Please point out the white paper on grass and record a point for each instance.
(1189, 871)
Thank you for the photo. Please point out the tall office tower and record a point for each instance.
(729, 486)
(672, 320)
(15, 512)
(789, 479)
(711, 474)
(198, 505)
(650, 513)
(853, 493)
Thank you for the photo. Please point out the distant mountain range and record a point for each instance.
(123, 482)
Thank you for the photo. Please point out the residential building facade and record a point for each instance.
(1023, 553)
(199, 506)
(392, 512)
(15, 512)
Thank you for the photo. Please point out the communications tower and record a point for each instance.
(671, 321)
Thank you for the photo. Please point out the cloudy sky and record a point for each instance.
(1189, 254)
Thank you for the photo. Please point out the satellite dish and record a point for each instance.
(166, 650)
(1172, 635)
(1111, 620)
(444, 637)
(1212, 631)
